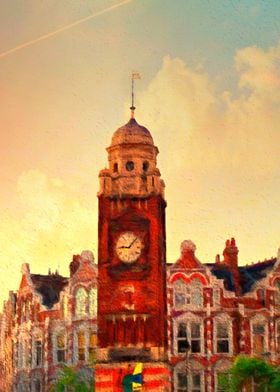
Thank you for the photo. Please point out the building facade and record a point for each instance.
(184, 321)
(218, 311)
(49, 323)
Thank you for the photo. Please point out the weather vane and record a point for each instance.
(134, 76)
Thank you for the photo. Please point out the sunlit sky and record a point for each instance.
(209, 93)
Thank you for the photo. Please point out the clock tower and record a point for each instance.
(131, 263)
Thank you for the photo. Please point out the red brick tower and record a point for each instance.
(131, 263)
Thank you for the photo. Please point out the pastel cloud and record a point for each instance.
(219, 152)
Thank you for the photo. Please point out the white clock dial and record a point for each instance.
(128, 247)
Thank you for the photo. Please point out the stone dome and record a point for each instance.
(132, 133)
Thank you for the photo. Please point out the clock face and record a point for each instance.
(128, 247)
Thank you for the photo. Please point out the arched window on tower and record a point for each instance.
(145, 166)
(81, 302)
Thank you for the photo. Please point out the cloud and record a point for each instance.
(222, 150)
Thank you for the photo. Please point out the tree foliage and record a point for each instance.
(265, 376)
(72, 381)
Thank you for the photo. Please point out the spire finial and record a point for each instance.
(134, 75)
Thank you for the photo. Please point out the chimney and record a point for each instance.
(217, 259)
(74, 265)
(231, 254)
(231, 261)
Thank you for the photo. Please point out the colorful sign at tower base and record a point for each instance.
(153, 377)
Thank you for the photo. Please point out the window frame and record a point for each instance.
(189, 375)
(81, 303)
(264, 323)
(191, 292)
(189, 323)
(224, 321)
(60, 351)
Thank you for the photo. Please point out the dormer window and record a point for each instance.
(116, 169)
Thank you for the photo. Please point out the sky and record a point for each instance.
(209, 93)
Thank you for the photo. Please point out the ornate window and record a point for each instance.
(60, 347)
(196, 382)
(189, 337)
(189, 377)
(81, 346)
(181, 294)
(188, 294)
(84, 345)
(81, 302)
(196, 293)
(182, 382)
(195, 337)
(92, 347)
(182, 339)
(259, 332)
(189, 382)
(38, 352)
(223, 336)
(92, 302)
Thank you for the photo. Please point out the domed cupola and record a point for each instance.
(132, 133)
(132, 163)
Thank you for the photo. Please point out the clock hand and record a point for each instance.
(132, 242)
